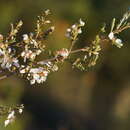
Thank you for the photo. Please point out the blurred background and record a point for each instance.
(71, 100)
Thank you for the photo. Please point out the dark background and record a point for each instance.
(71, 100)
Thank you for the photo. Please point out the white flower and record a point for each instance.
(75, 29)
(9, 50)
(68, 33)
(10, 118)
(7, 62)
(28, 54)
(25, 37)
(15, 62)
(6, 122)
(45, 73)
(73, 26)
(11, 115)
(82, 23)
(32, 81)
(20, 111)
(38, 75)
(52, 28)
(22, 71)
(79, 31)
(118, 43)
(47, 21)
(68, 30)
(34, 70)
(63, 52)
(38, 52)
(32, 56)
(47, 12)
(111, 35)
(42, 79)
(1, 52)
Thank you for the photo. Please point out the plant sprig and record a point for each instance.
(20, 57)
(23, 60)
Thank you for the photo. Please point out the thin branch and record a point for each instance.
(47, 60)
(6, 76)
(71, 52)
(3, 77)
(121, 29)
(72, 45)
(78, 50)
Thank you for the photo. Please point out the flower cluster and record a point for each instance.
(74, 30)
(62, 54)
(11, 113)
(7, 59)
(10, 118)
(117, 28)
(115, 40)
(31, 48)
(38, 75)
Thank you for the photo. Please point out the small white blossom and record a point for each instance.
(68, 30)
(73, 26)
(82, 23)
(11, 115)
(7, 62)
(34, 70)
(38, 75)
(38, 52)
(10, 118)
(68, 34)
(32, 81)
(7, 122)
(75, 29)
(9, 50)
(52, 28)
(111, 35)
(1, 52)
(25, 37)
(22, 71)
(20, 111)
(47, 12)
(28, 54)
(118, 42)
(32, 56)
(63, 52)
(15, 62)
(47, 21)
(79, 31)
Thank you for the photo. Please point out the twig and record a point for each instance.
(3, 77)
(121, 29)
(6, 76)
(72, 45)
